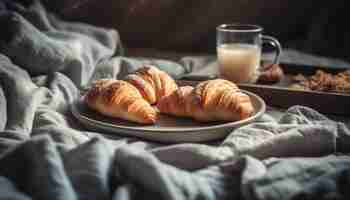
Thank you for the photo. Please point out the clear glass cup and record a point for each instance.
(239, 48)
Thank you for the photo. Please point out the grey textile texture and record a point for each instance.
(42, 44)
(46, 154)
(99, 170)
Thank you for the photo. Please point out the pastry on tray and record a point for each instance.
(323, 81)
(213, 100)
(271, 74)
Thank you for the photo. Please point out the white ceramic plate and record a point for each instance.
(168, 129)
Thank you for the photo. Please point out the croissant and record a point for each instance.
(152, 83)
(117, 98)
(213, 100)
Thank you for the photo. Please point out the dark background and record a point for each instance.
(319, 27)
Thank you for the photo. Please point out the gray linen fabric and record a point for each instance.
(99, 170)
(46, 154)
(42, 44)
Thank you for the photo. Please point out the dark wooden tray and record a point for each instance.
(279, 95)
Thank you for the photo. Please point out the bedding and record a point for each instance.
(45, 63)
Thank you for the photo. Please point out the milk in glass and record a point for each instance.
(239, 62)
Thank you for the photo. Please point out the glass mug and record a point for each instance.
(239, 49)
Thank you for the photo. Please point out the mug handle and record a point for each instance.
(278, 48)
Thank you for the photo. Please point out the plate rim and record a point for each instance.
(258, 114)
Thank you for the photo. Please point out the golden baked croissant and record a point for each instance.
(152, 83)
(214, 100)
(117, 98)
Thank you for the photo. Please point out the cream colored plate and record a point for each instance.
(168, 129)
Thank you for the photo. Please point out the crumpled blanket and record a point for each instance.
(42, 169)
(46, 154)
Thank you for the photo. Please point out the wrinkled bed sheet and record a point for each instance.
(46, 154)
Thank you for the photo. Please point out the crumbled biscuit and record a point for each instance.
(323, 81)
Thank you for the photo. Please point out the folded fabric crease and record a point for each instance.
(46, 154)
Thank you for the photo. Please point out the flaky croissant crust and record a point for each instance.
(152, 83)
(214, 100)
(117, 98)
